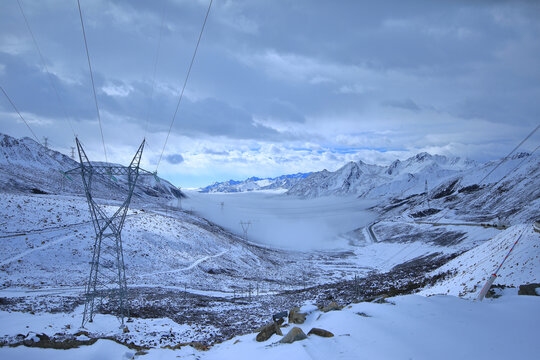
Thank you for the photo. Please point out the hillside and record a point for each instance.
(471, 269)
(452, 184)
(26, 166)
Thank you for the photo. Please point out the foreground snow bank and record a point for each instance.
(102, 349)
(409, 327)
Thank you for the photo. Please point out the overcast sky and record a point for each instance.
(277, 86)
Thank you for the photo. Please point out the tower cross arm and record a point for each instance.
(110, 170)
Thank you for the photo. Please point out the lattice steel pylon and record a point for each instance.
(107, 277)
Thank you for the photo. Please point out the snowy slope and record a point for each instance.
(51, 246)
(471, 269)
(27, 166)
(511, 191)
(283, 182)
(373, 181)
(510, 195)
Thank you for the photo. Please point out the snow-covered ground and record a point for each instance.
(474, 267)
(192, 276)
(405, 327)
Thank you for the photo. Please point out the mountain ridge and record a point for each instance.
(254, 183)
(26, 166)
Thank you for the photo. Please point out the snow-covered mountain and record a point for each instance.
(27, 166)
(372, 181)
(510, 194)
(283, 182)
(184, 267)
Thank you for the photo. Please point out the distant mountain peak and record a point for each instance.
(423, 156)
(254, 183)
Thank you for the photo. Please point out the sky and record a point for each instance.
(277, 87)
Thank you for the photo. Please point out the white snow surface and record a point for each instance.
(474, 267)
(407, 327)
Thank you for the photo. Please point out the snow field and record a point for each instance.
(408, 327)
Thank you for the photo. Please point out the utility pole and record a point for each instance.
(245, 228)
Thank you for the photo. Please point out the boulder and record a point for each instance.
(267, 332)
(320, 332)
(296, 317)
(295, 334)
(279, 316)
(528, 289)
(332, 306)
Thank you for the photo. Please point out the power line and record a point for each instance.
(510, 153)
(155, 68)
(51, 82)
(92, 78)
(499, 164)
(480, 182)
(185, 83)
(515, 167)
(17, 111)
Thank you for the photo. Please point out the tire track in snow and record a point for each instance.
(29, 251)
(191, 266)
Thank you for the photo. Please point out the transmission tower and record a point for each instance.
(46, 142)
(427, 195)
(179, 199)
(245, 227)
(73, 152)
(107, 277)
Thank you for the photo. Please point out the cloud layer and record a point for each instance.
(277, 87)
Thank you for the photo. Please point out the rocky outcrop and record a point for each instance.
(267, 331)
(332, 306)
(295, 334)
(528, 289)
(320, 332)
(296, 317)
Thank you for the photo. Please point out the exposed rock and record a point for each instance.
(267, 332)
(279, 316)
(296, 317)
(295, 334)
(320, 332)
(363, 314)
(279, 322)
(332, 306)
(528, 289)
(199, 346)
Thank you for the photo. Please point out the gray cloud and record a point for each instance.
(407, 104)
(262, 76)
(175, 159)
